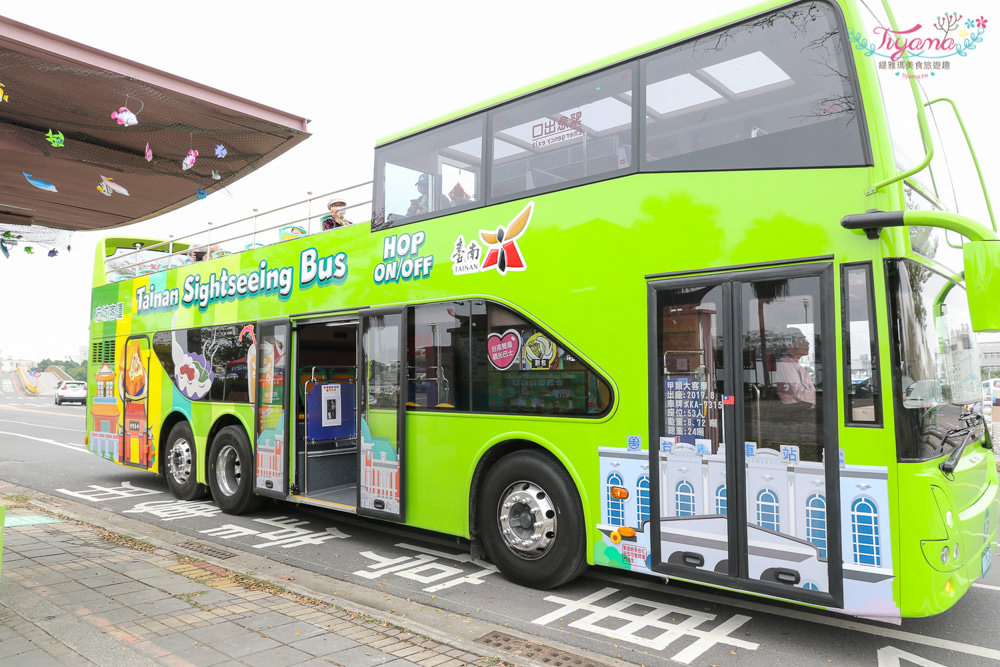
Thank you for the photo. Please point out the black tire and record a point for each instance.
(230, 472)
(58, 402)
(531, 520)
(180, 463)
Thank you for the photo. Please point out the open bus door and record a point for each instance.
(743, 419)
(267, 362)
(382, 413)
(135, 449)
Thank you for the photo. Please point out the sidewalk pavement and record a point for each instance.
(79, 592)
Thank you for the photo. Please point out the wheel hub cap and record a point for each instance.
(179, 461)
(527, 519)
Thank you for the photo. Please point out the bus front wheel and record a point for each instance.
(230, 472)
(531, 521)
(180, 461)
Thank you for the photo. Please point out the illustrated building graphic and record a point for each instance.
(787, 509)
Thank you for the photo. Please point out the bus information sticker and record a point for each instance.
(503, 349)
(539, 352)
(331, 405)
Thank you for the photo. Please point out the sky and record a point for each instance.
(361, 71)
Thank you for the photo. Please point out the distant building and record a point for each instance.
(989, 357)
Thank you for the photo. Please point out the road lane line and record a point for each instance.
(987, 586)
(75, 448)
(58, 428)
(37, 412)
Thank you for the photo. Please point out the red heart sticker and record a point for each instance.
(503, 349)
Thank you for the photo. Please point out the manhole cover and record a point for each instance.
(537, 652)
(206, 550)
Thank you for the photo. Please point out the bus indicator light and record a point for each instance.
(619, 492)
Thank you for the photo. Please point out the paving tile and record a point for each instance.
(292, 632)
(200, 655)
(362, 656)
(324, 645)
(245, 645)
(218, 632)
(281, 655)
(270, 619)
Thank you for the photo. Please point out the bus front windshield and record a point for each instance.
(936, 364)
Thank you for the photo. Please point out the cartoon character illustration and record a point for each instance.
(39, 183)
(193, 373)
(539, 352)
(125, 117)
(107, 186)
(189, 159)
(220, 151)
(149, 153)
(3, 94)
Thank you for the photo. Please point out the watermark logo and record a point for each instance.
(921, 51)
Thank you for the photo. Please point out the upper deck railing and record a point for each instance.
(261, 228)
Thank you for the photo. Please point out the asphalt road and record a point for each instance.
(603, 617)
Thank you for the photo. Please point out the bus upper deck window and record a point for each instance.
(777, 91)
(429, 174)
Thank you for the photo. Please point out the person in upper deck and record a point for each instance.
(335, 218)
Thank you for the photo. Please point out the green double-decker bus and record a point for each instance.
(686, 312)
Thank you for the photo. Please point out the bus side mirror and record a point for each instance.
(982, 283)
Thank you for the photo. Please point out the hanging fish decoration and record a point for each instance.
(39, 183)
(189, 159)
(107, 186)
(149, 153)
(220, 151)
(56, 139)
(125, 117)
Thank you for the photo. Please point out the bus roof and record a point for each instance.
(650, 46)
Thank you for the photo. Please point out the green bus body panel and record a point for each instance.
(605, 238)
(982, 281)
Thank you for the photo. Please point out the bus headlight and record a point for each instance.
(948, 518)
(944, 555)
(954, 552)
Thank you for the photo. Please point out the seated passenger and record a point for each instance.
(425, 203)
(335, 218)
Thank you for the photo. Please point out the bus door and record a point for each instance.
(268, 357)
(326, 399)
(744, 440)
(135, 448)
(381, 415)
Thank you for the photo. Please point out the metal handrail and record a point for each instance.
(194, 240)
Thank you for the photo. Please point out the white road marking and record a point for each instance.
(75, 448)
(58, 428)
(890, 655)
(846, 622)
(987, 586)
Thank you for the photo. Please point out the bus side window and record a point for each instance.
(862, 403)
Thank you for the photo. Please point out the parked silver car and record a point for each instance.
(71, 390)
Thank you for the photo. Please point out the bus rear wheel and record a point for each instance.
(230, 472)
(180, 462)
(531, 521)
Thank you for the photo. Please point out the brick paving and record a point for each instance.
(70, 597)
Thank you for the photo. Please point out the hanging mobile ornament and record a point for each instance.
(56, 139)
(149, 153)
(125, 116)
(220, 151)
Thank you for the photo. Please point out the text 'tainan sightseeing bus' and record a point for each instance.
(695, 311)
